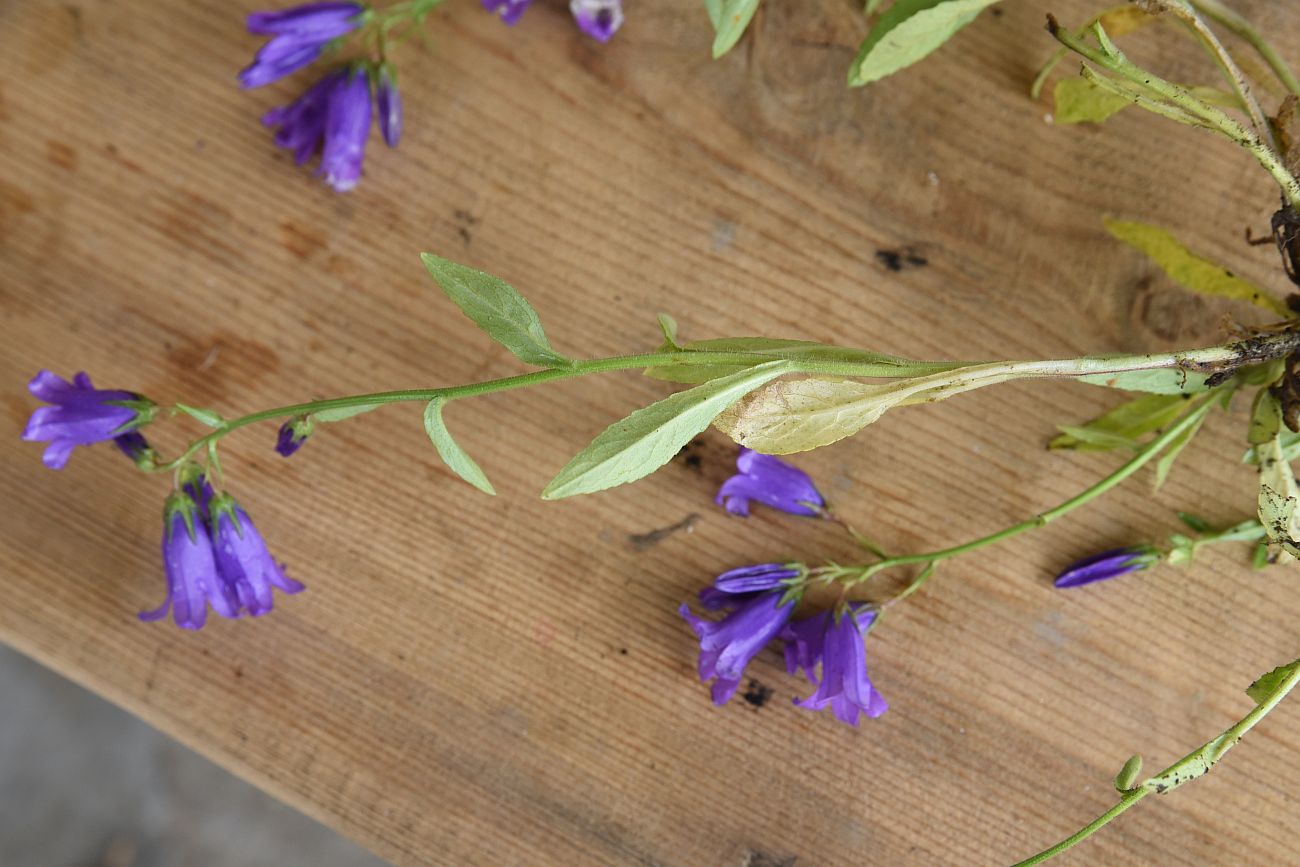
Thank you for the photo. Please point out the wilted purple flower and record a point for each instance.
(727, 646)
(293, 434)
(80, 415)
(599, 19)
(347, 125)
(509, 10)
(388, 104)
(243, 562)
(193, 582)
(770, 481)
(298, 36)
(844, 684)
(1108, 564)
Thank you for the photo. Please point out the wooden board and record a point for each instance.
(474, 680)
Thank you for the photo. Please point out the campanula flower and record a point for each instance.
(298, 35)
(599, 19)
(509, 10)
(388, 105)
(1108, 564)
(804, 640)
(302, 122)
(770, 481)
(347, 125)
(193, 582)
(293, 434)
(243, 562)
(844, 684)
(728, 645)
(80, 415)
(746, 580)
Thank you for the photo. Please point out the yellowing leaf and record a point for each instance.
(1188, 269)
(1123, 20)
(1279, 497)
(1081, 101)
(909, 31)
(795, 415)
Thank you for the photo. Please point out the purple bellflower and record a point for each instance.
(193, 581)
(599, 19)
(298, 35)
(509, 10)
(302, 122)
(1108, 564)
(243, 562)
(759, 596)
(293, 434)
(388, 105)
(335, 111)
(770, 481)
(347, 125)
(844, 685)
(80, 415)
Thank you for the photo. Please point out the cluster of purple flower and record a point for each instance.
(828, 646)
(212, 553)
(334, 115)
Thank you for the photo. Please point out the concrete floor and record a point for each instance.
(84, 784)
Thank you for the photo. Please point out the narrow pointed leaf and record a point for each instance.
(209, 417)
(648, 438)
(730, 18)
(907, 32)
(1190, 270)
(1160, 381)
(450, 451)
(1123, 425)
(497, 308)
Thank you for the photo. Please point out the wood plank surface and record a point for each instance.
(475, 680)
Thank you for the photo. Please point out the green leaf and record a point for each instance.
(648, 438)
(1190, 270)
(730, 18)
(1265, 419)
(1159, 381)
(1191, 766)
(343, 412)
(450, 451)
(1086, 438)
(714, 9)
(1081, 101)
(1279, 498)
(498, 309)
(1196, 522)
(1127, 775)
(668, 326)
(1126, 423)
(209, 417)
(909, 31)
(1267, 685)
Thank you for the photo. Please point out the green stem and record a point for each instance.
(1110, 58)
(1195, 764)
(1235, 23)
(1152, 449)
(1129, 799)
(948, 378)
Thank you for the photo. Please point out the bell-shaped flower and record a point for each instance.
(770, 481)
(80, 415)
(193, 582)
(243, 562)
(298, 36)
(843, 685)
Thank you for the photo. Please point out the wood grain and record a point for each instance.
(474, 680)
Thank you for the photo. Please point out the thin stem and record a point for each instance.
(1230, 70)
(1110, 58)
(1151, 450)
(1237, 24)
(1129, 799)
(1195, 764)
